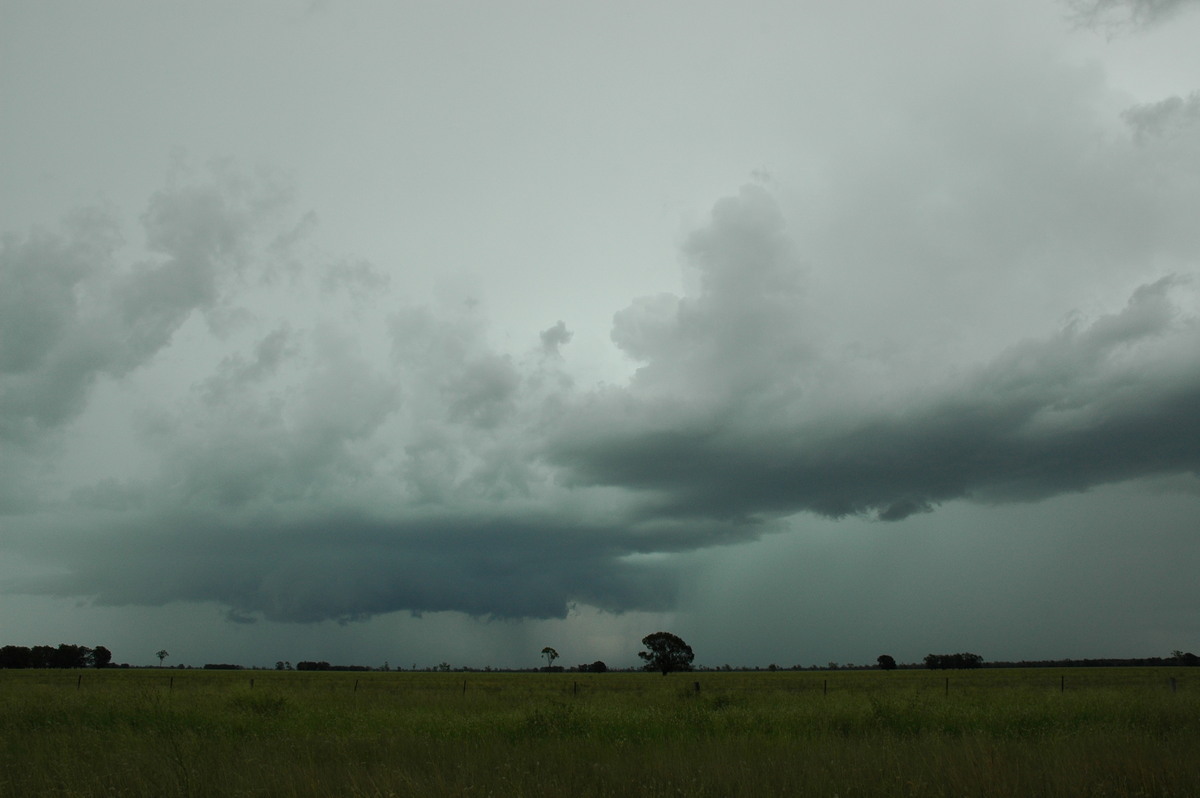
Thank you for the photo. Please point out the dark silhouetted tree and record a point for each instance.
(886, 662)
(666, 652)
(162, 654)
(101, 657)
(955, 661)
(550, 655)
(16, 657)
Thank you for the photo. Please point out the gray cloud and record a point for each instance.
(71, 313)
(236, 372)
(555, 336)
(733, 416)
(1171, 118)
(317, 448)
(348, 566)
(305, 478)
(1116, 14)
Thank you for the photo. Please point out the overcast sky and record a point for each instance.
(424, 332)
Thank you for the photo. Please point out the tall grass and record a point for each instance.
(988, 733)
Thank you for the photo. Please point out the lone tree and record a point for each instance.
(162, 654)
(886, 662)
(667, 653)
(101, 657)
(550, 655)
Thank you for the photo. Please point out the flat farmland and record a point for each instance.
(990, 732)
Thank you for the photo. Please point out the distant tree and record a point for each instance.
(666, 652)
(16, 657)
(101, 657)
(886, 662)
(279, 665)
(550, 655)
(948, 661)
(66, 655)
(598, 667)
(162, 654)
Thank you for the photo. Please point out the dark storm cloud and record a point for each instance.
(303, 479)
(315, 448)
(347, 566)
(728, 418)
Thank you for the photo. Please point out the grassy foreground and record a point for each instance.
(1052, 732)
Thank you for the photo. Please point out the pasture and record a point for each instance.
(1026, 732)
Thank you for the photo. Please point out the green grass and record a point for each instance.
(1111, 732)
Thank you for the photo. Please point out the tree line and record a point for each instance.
(939, 662)
(664, 652)
(64, 655)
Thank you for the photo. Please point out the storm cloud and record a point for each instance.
(974, 288)
(305, 479)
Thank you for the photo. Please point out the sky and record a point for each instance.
(417, 332)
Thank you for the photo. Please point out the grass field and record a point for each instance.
(1027, 732)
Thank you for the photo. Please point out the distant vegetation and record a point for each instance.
(665, 652)
(61, 656)
(956, 661)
